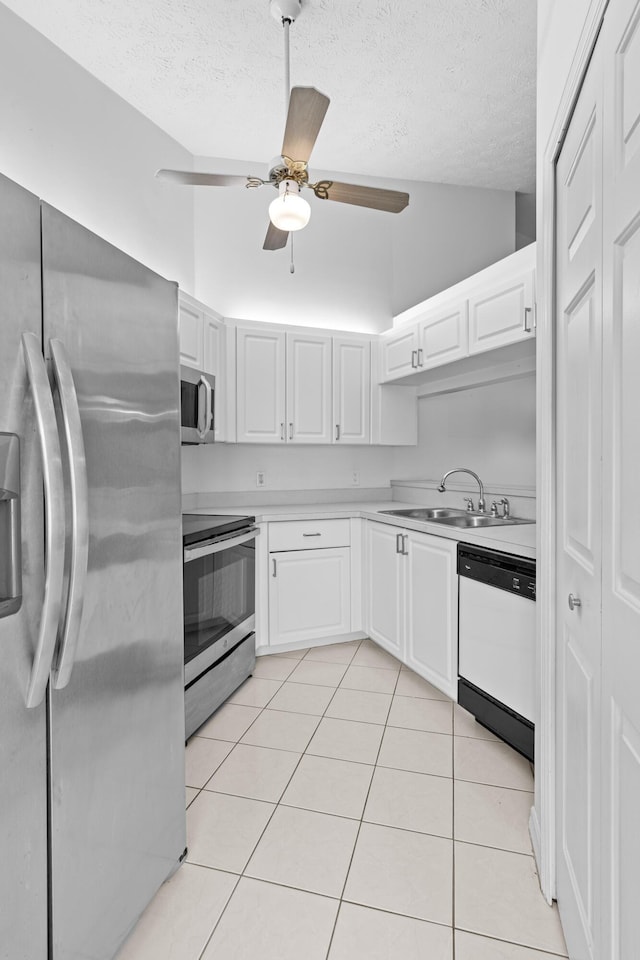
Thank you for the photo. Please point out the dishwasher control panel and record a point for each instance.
(501, 570)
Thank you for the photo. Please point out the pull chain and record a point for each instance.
(292, 268)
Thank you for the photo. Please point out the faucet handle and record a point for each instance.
(469, 503)
(505, 503)
(494, 508)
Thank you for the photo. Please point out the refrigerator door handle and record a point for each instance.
(54, 518)
(79, 513)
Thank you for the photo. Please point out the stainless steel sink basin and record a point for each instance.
(426, 513)
(479, 520)
(455, 518)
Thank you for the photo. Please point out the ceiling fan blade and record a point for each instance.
(307, 107)
(275, 239)
(202, 179)
(392, 201)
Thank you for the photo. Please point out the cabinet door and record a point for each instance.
(431, 610)
(383, 587)
(191, 336)
(308, 388)
(260, 386)
(502, 313)
(443, 336)
(351, 390)
(309, 595)
(399, 353)
(214, 362)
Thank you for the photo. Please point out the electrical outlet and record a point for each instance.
(355, 479)
(260, 478)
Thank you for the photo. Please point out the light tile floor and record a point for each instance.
(339, 807)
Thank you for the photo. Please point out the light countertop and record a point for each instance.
(519, 539)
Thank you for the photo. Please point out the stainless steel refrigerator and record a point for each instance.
(91, 658)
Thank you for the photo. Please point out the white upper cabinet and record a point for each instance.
(351, 390)
(191, 334)
(492, 309)
(443, 335)
(308, 400)
(260, 385)
(203, 347)
(299, 386)
(399, 352)
(502, 312)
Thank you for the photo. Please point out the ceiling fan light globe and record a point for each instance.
(289, 211)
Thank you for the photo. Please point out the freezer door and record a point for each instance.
(117, 726)
(23, 757)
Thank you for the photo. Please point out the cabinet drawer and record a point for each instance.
(308, 534)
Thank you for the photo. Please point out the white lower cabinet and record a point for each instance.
(309, 581)
(411, 606)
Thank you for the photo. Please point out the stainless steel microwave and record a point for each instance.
(197, 406)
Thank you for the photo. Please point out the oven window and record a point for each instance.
(188, 404)
(219, 594)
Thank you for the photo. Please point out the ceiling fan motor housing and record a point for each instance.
(282, 10)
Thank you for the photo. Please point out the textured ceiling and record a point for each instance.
(440, 90)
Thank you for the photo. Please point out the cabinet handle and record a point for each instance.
(311, 534)
(414, 361)
(282, 431)
(404, 551)
(337, 431)
(273, 561)
(420, 357)
(290, 431)
(398, 543)
(525, 326)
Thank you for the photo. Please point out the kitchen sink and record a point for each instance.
(455, 518)
(426, 513)
(479, 520)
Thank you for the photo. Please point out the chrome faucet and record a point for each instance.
(442, 488)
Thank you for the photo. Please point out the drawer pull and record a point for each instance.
(273, 560)
(311, 534)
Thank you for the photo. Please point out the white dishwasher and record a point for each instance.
(496, 642)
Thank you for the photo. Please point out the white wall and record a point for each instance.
(490, 429)
(224, 467)
(355, 268)
(75, 143)
(445, 235)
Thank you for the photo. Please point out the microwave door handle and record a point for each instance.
(79, 513)
(197, 551)
(54, 518)
(204, 417)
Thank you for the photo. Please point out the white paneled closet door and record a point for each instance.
(598, 406)
(621, 474)
(579, 524)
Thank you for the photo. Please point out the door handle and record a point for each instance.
(204, 421)
(79, 513)
(398, 543)
(525, 326)
(404, 551)
(420, 357)
(282, 431)
(337, 431)
(54, 518)
(574, 602)
(414, 360)
(273, 560)
(290, 431)
(11, 588)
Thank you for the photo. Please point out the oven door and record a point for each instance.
(219, 598)
(197, 406)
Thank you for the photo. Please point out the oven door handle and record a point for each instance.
(221, 543)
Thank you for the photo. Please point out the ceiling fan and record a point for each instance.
(306, 109)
